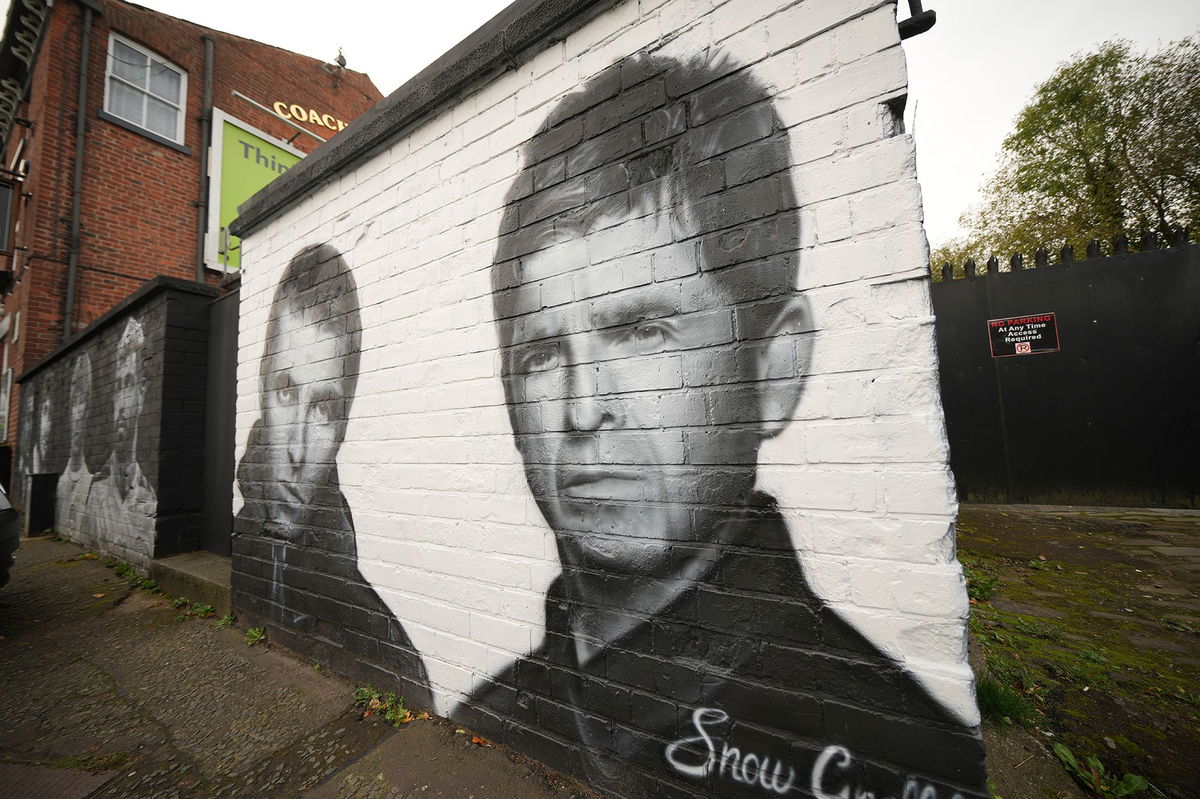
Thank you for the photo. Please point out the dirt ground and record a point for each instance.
(1092, 616)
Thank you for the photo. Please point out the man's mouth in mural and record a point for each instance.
(604, 483)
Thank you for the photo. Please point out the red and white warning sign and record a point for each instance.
(1023, 335)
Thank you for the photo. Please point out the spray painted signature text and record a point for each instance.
(705, 754)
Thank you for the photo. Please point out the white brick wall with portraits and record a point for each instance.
(619, 371)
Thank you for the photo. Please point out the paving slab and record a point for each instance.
(98, 674)
(42, 782)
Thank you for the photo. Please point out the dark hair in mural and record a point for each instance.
(294, 537)
(652, 339)
(318, 287)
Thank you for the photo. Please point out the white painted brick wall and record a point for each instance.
(446, 528)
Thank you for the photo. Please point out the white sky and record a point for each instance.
(973, 72)
(969, 75)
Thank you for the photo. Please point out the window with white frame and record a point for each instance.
(145, 90)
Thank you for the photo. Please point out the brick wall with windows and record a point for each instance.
(141, 185)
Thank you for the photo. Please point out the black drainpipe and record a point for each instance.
(205, 141)
(77, 175)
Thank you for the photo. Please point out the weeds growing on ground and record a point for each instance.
(202, 611)
(129, 573)
(388, 705)
(1091, 775)
(980, 583)
(255, 635)
(224, 621)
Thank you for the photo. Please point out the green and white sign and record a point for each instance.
(244, 159)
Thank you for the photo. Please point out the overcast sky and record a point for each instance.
(969, 75)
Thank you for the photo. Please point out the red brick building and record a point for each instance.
(87, 219)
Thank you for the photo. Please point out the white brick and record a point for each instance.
(447, 529)
(599, 29)
(894, 440)
(502, 633)
(808, 19)
(930, 490)
(882, 74)
(873, 165)
(886, 206)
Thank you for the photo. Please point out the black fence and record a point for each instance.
(1075, 383)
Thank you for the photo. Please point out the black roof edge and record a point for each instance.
(148, 290)
(518, 27)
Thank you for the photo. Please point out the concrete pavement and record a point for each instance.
(108, 693)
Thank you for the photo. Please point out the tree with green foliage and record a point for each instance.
(1109, 145)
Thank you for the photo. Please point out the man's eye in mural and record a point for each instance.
(321, 411)
(538, 357)
(287, 395)
(646, 338)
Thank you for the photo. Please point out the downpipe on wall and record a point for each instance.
(77, 176)
(205, 143)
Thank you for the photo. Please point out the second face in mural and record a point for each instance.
(295, 524)
(305, 386)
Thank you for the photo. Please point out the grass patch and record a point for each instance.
(1000, 704)
(130, 574)
(1080, 677)
(981, 583)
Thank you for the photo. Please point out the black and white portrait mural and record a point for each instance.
(295, 525)
(76, 479)
(89, 419)
(638, 406)
(624, 361)
(120, 500)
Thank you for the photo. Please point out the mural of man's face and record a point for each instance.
(613, 429)
(78, 408)
(303, 396)
(127, 399)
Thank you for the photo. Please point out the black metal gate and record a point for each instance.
(220, 402)
(1112, 418)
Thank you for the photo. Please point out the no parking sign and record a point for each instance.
(1023, 335)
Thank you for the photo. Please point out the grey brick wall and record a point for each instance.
(117, 414)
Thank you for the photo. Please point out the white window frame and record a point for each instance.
(110, 76)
